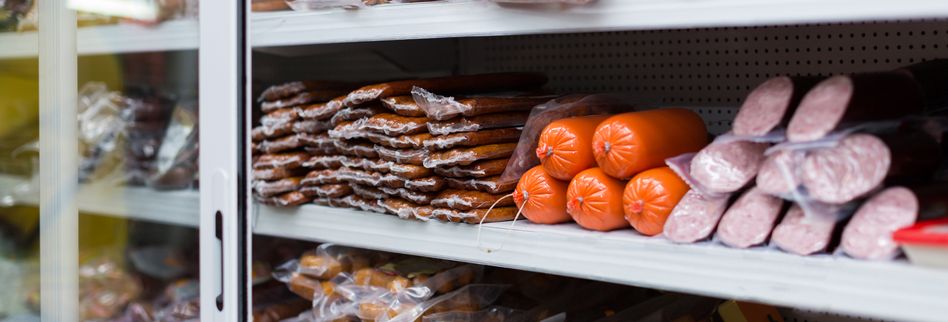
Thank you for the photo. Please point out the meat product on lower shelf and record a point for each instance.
(448, 85)
(541, 197)
(422, 198)
(490, 184)
(565, 146)
(403, 105)
(394, 125)
(475, 216)
(727, 167)
(842, 100)
(288, 199)
(750, 220)
(694, 218)
(594, 200)
(771, 104)
(277, 173)
(272, 188)
(868, 235)
(805, 234)
(649, 198)
(630, 143)
(860, 163)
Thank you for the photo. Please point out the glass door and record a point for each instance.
(102, 191)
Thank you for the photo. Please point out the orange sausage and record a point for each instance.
(565, 146)
(630, 143)
(650, 197)
(545, 197)
(594, 200)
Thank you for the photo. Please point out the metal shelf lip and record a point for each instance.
(112, 39)
(469, 18)
(766, 275)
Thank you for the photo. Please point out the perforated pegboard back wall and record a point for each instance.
(705, 67)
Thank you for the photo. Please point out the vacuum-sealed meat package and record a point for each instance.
(441, 108)
(448, 85)
(478, 123)
(468, 139)
(466, 156)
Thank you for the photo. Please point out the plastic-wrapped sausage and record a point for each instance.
(321, 111)
(321, 150)
(333, 190)
(594, 200)
(275, 92)
(842, 100)
(402, 208)
(288, 160)
(541, 197)
(727, 167)
(283, 115)
(403, 105)
(489, 184)
(412, 141)
(375, 165)
(356, 149)
(779, 174)
(466, 139)
(285, 143)
(354, 201)
(300, 99)
(475, 216)
(803, 234)
(860, 163)
(868, 235)
(357, 176)
(467, 200)
(288, 199)
(442, 108)
(422, 198)
(429, 184)
(277, 173)
(749, 221)
(395, 125)
(409, 156)
(454, 84)
(321, 177)
(311, 126)
(409, 171)
(275, 187)
(479, 169)
(694, 218)
(629, 143)
(650, 197)
(355, 113)
(261, 133)
(478, 123)
(320, 162)
(321, 140)
(466, 156)
(368, 192)
(771, 104)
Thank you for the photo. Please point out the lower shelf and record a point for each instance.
(890, 290)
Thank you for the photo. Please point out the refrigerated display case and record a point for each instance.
(129, 97)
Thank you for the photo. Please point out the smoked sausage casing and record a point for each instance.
(630, 143)
(649, 198)
(541, 197)
(565, 146)
(594, 200)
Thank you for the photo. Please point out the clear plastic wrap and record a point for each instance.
(868, 235)
(106, 288)
(468, 139)
(320, 162)
(275, 187)
(727, 167)
(394, 125)
(329, 260)
(409, 156)
(403, 105)
(468, 200)
(282, 144)
(349, 130)
(369, 192)
(422, 198)
(101, 132)
(466, 156)
(289, 160)
(355, 113)
(475, 216)
(695, 217)
(442, 108)
(261, 132)
(478, 123)
(277, 173)
(750, 220)
(311, 126)
(319, 141)
(490, 184)
(412, 141)
(321, 177)
(176, 163)
(288, 199)
(480, 169)
(281, 116)
(469, 298)
(524, 157)
(356, 149)
(321, 111)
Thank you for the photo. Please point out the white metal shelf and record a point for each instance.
(465, 18)
(179, 207)
(891, 290)
(111, 39)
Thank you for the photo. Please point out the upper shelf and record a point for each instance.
(890, 290)
(467, 18)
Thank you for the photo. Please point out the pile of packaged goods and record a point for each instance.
(137, 138)
(828, 156)
(347, 284)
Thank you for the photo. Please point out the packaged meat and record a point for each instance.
(805, 234)
(541, 198)
(400, 207)
(272, 188)
(749, 221)
(478, 123)
(490, 184)
(779, 174)
(466, 156)
(368, 192)
(321, 177)
(925, 243)
(868, 235)
(404, 156)
(411, 141)
(280, 116)
(289, 160)
(860, 163)
(629, 143)
(648, 199)
(277, 173)
(524, 157)
(356, 149)
(403, 105)
(469, 298)
(448, 85)
(421, 198)
(263, 132)
(467, 200)
(288, 199)
(337, 190)
(694, 218)
(479, 169)
(468, 139)
(320, 162)
(357, 176)
(770, 105)
(843, 100)
(285, 90)
(349, 130)
(429, 184)
(410, 171)
(490, 314)
(565, 146)
(311, 126)
(357, 202)
(321, 111)
(285, 143)
(305, 98)
(330, 260)
(395, 125)
(476, 216)
(441, 108)
(322, 140)
(375, 165)
(321, 151)
(355, 113)
(594, 200)
(727, 167)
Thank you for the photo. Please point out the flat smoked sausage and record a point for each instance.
(448, 85)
